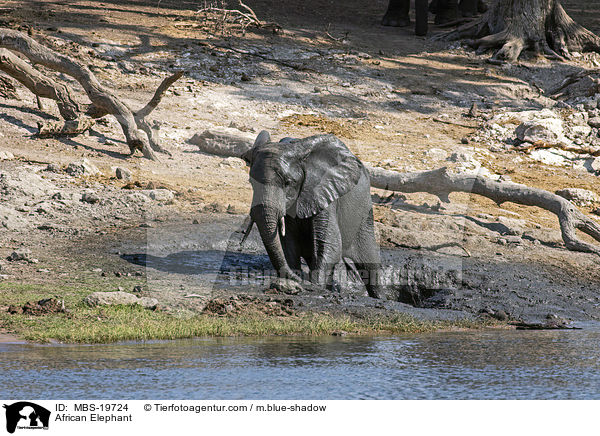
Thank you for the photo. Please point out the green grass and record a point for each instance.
(124, 323)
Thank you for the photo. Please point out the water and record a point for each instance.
(453, 365)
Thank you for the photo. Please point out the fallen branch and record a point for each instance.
(40, 84)
(249, 16)
(452, 123)
(540, 145)
(68, 127)
(138, 133)
(441, 182)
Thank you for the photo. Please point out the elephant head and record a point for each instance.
(298, 178)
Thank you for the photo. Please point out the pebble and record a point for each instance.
(123, 174)
(90, 197)
(21, 254)
(594, 122)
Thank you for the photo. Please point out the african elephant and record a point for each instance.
(312, 201)
(444, 10)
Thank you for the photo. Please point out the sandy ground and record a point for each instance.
(390, 96)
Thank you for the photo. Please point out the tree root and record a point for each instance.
(138, 133)
(512, 26)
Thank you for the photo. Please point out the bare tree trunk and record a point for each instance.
(512, 26)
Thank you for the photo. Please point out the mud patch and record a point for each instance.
(46, 306)
(247, 305)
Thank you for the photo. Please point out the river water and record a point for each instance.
(453, 365)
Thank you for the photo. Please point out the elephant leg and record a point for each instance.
(468, 8)
(421, 17)
(291, 246)
(446, 11)
(367, 258)
(397, 14)
(327, 247)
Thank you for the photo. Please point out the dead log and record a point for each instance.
(64, 128)
(441, 182)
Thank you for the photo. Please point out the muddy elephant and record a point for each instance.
(312, 201)
(445, 11)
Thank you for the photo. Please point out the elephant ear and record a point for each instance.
(331, 170)
(263, 138)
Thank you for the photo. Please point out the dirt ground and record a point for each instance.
(398, 101)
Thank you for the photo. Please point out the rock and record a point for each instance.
(286, 286)
(90, 197)
(123, 174)
(137, 289)
(578, 196)
(6, 155)
(21, 254)
(162, 195)
(82, 168)
(595, 165)
(223, 141)
(547, 130)
(460, 156)
(119, 297)
(53, 168)
(500, 315)
(594, 122)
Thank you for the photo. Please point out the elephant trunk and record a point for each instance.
(268, 220)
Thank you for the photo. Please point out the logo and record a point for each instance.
(25, 415)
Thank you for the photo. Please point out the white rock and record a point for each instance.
(162, 195)
(436, 153)
(6, 155)
(82, 168)
(549, 157)
(119, 297)
(547, 130)
(123, 174)
(578, 196)
(223, 141)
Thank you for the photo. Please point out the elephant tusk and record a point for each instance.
(282, 226)
(247, 232)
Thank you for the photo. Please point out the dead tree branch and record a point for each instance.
(441, 182)
(138, 133)
(68, 127)
(40, 84)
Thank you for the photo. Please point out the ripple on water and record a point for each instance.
(453, 365)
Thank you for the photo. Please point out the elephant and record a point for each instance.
(445, 11)
(312, 201)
